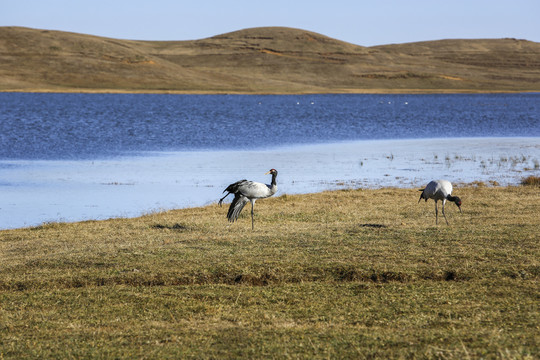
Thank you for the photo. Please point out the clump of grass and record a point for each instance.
(531, 181)
(483, 164)
(478, 183)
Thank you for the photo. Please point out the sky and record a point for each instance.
(366, 23)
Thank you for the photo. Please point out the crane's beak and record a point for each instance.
(268, 172)
(461, 212)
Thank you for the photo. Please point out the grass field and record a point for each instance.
(342, 274)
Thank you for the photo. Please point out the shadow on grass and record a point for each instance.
(375, 226)
(176, 227)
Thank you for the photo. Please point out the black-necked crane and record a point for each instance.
(439, 190)
(248, 191)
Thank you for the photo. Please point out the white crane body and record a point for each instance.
(439, 190)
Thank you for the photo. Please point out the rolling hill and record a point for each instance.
(261, 60)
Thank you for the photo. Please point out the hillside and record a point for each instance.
(261, 60)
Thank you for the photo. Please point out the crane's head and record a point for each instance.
(271, 171)
(458, 203)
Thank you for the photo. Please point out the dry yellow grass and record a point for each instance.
(343, 274)
(531, 181)
(264, 60)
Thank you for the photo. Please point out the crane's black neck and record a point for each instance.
(274, 175)
(451, 198)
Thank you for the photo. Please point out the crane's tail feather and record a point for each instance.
(232, 189)
(236, 207)
(421, 195)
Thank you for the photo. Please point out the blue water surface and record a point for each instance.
(92, 126)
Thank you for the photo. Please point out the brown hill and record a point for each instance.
(261, 60)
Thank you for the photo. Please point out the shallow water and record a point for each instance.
(37, 191)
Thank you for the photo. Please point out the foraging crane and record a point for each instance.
(245, 191)
(439, 190)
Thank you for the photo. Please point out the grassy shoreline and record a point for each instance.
(307, 92)
(339, 274)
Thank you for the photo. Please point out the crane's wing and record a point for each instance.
(233, 188)
(236, 206)
(422, 194)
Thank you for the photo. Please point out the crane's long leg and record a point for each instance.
(443, 202)
(252, 221)
(436, 213)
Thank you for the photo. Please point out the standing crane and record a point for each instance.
(244, 191)
(439, 190)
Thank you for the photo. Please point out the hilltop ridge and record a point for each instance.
(262, 60)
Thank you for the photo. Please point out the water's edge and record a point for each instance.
(38, 191)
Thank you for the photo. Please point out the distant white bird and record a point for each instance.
(440, 190)
(245, 191)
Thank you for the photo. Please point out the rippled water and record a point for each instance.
(90, 126)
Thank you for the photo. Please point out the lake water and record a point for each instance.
(70, 157)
